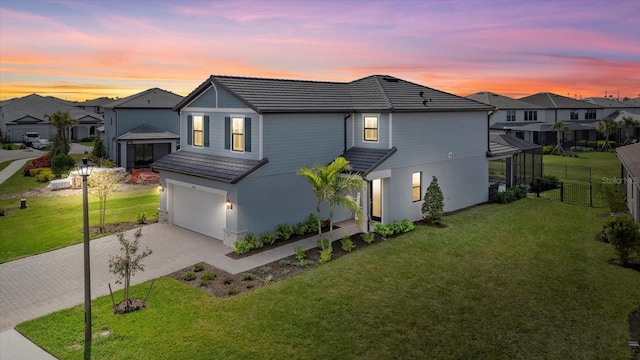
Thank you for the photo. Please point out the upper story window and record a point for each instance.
(574, 114)
(198, 130)
(416, 186)
(531, 115)
(511, 115)
(237, 134)
(590, 115)
(370, 128)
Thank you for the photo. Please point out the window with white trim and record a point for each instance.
(416, 186)
(531, 115)
(574, 114)
(590, 115)
(511, 115)
(370, 128)
(198, 130)
(237, 134)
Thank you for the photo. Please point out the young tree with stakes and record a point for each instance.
(101, 184)
(128, 262)
(606, 126)
(560, 128)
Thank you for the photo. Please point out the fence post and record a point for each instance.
(590, 194)
(561, 191)
(538, 187)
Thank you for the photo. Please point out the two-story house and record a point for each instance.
(579, 116)
(141, 128)
(244, 139)
(512, 114)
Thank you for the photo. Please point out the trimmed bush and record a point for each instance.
(285, 231)
(368, 237)
(241, 247)
(433, 205)
(189, 276)
(198, 267)
(61, 163)
(325, 255)
(43, 175)
(268, 238)
(347, 243)
(510, 195)
(624, 234)
(615, 197)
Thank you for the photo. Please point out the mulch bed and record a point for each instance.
(225, 285)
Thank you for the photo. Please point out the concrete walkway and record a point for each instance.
(38, 285)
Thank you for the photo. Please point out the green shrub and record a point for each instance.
(209, 275)
(624, 234)
(384, 230)
(510, 195)
(300, 253)
(325, 255)
(249, 285)
(198, 267)
(433, 205)
(62, 163)
(269, 278)
(285, 231)
(232, 290)
(241, 247)
(347, 244)
(43, 175)
(615, 197)
(284, 262)
(312, 223)
(142, 218)
(265, 269)
(367, 237)
(188, 276)
(548, 149)
(204, 282)
(248, 277)
(253, 241)
(227, 280)
(1, 211)
(301, 228)
(268, 238)
(323, 243)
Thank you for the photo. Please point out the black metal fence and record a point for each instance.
(569, 172)
(578, 194)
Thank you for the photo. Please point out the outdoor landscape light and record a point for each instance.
(84, 169)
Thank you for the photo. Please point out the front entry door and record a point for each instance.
(376, 199)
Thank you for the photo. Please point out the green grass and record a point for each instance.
(4, 164)
(87, 143)
(603, 165)
(17, 183)
(50, 223)
(525, 280)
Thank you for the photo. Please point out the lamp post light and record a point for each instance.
(84, 169)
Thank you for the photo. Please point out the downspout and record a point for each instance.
(344, 133)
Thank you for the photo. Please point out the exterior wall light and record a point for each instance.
(229, 204)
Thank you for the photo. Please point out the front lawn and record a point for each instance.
(524, 280)
(52, 222)
(17, 183)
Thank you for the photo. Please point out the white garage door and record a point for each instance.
(199, 211)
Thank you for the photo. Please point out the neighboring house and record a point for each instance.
(25, 114)
(629, 157)
(609, 105)
(244, 139)
(95, 105)
(512, 114)
(141, 128)
(635, 102)
(580, 117)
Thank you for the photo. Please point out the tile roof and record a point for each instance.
(497, 149)
(373, 93)
(365, 160)
(512, 141)
(549, 100)
(607, 102)
(37, 107)
(149, 99)
(635, 102)
(221, 168)
(618, 115)
(147, 132)
(96, 102)
(500, 101)
(630, 158)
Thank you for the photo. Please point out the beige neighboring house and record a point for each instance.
(630, 159)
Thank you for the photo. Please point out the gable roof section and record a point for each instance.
(607, 102)
(147, 132)
(153, 98)
(36, 106)
(363, 161)
(373, 93)
(512, 141)
(497, 149)
(502, 102)
(549, 100)
(220, 168)
(630, 158)
(635, 102)
(97, 101)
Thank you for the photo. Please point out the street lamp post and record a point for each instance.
(84, 169)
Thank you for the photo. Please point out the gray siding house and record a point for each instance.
(141, 128)
(629, 157)
(243, 139)
(18, 116)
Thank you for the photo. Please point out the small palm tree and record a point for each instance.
(605, 127)
(560, 128)
(628, 123)
(61, 121)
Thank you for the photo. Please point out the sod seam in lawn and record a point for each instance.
(523, 280)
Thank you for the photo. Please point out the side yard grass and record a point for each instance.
(523, 280)
(50, 223)
(18, 183)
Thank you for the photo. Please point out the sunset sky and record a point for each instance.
(79, 50)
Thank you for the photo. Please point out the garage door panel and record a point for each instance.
(199, 211)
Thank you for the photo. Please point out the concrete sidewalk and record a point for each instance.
(38, 285)
(15, 166)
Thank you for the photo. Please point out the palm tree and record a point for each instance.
(560, 128)
(61, 121)
(605, 127)
(328, 184)
(344, 182)
(627, 123)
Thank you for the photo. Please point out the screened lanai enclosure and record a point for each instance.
(513, 161)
